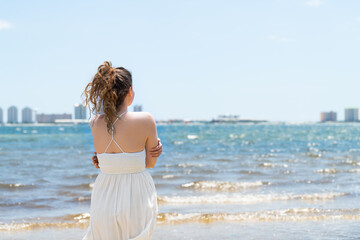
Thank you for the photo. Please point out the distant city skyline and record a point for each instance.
(276, 60)
(29, 115)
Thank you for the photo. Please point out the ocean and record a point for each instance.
(217, 181)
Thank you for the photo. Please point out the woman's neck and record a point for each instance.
(121, 110)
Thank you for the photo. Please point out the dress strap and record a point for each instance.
(112, 134)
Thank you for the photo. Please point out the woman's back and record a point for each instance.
(133, 132)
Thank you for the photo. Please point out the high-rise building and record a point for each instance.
(12, 114)
(138, 108)
(351, 114)
(80, 111)
(328, 116)
(1, 116)
(35, 113)
(27, 115)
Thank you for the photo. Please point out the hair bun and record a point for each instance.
(105, 69)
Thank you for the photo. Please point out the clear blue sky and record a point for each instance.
(282, 60)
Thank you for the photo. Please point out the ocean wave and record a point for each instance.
(288, 172)
(185, 165)
(246, 199)
(356, 170)
(231, 135)
(84, 176)
(314, 155)
(293, 214)
(67, 221)
(168, 176)
(350, 162)
(222, 186)
(192, 136)
(327, 171)
(272, 165)
(30, 205)
(83, 186)
(223, 160)
(296, 214)
(84, 198)
(251, 172)
(16, 185)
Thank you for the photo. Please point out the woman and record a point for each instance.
(124, 199)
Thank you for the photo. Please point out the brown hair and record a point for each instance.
(107, 91)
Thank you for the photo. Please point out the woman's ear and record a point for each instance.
(130, 91)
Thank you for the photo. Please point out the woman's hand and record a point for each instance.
(157, 150)
(95, 160)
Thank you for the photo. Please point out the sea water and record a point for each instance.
(218, 181)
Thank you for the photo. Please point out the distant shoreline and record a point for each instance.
(161, 122)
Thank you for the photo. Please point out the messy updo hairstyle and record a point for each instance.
(107, 91)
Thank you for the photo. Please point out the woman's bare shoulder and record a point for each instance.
(144, 120)
(143, 116)
(96, 119)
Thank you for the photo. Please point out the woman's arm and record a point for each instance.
(151, 141)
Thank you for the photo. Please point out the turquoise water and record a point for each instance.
(258, 175)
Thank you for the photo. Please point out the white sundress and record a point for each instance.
(124, 199)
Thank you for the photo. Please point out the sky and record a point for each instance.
(278, 60)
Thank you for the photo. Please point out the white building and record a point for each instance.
(80, 111)
(12, 114)
(1, 116)
(51, 118)
(138, 108)
(27, 115)
(351, 114)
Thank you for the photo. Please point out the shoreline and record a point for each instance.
(338, 229)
